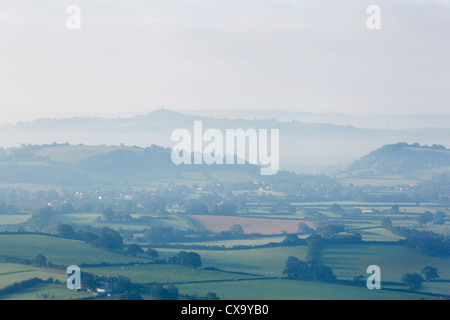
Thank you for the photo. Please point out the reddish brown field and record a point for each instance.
(250, 225)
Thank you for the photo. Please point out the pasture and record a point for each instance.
(267, 262)
(58, 251)
(282, 289)
(47, 292)
(350, 260)
(11, 273)
(165, 273)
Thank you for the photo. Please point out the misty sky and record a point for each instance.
(135, 56)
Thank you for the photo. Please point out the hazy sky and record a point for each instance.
(135, 56)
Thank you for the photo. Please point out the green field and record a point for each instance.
(57, 250)
(350, 260)
(165, 273)
(265, 262)
(241, 242)
(280, 289)
(13, 218)
(10, 273)
(47, 292)
(90, 218)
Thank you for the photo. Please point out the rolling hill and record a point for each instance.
(304, 147)
(403, 159)
(81, 165)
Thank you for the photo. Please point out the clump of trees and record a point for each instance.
(413, 280)
(235, 231)
(200, 206)
(315, 245)
(430, 273)
(292, 239)
(301, 270)
(188, 259)
(109, 215)
(158, 292)
(107, 238)
(134, 250)
(159, 234)
(426, 242)
(303, 228)
(17, 286)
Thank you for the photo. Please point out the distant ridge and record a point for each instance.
(402, 158)
(304, 146)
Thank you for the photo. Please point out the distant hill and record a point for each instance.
(304, 147)
(71, 166)
(402, 158)
(373, 122)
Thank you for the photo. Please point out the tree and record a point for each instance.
(303, 228)
(425, 217)
(301, 270)
(296, 269)
(158, 292)
(66, 208)
(291, 240)
(211, 296)
(161, 234)
(152, 253)
(123, 284)
(314, 253)
(109, 239)
(330, 230)
(429, 273)
(359, 280)
(108, 214)
(40, 261)
(413, 280)
(439, 217)
(88, 281)
(386, 223)
(191, 259)
(237, 230)
(66, 231)
(335, 208)
(395, 209)
(196, 207)
(133, 295)
(188, 259)
(225, 209)
(134, 250)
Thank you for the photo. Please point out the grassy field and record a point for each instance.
(13, 218)
(90, 218)
(47, 292)
(348, 261)
(379, 234)
(265, 262)
(243, 242)
(280, 289)
(10, 273)
(57, 250)
(165, 273)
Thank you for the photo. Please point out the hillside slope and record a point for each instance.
(67, 165)
(402, 158)
(304, 147)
